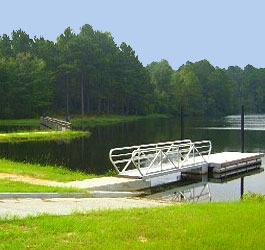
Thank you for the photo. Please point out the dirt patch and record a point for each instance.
(28, 179)
(142, 238)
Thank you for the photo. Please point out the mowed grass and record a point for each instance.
(41, 136)
(45, 172)
(238, 225)
(10, 186)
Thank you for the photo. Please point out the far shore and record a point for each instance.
(87, 120)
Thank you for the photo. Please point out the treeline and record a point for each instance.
(87, 73)
(207, 90)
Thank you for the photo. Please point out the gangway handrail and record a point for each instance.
(116, 153)
(152, 158)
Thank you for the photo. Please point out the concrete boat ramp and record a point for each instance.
(110, 184)
(63, 206)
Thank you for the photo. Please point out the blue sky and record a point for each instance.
(223, 32)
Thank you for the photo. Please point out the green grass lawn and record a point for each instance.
(41, 136)
(7, 185)
(237, 225)
(46, 172)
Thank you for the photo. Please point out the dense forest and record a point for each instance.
(87, 73)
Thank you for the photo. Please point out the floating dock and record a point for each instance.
(228, 161)
(233, 175)
(144, 166)
(162, 163)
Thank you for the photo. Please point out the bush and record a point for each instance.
(253, 197)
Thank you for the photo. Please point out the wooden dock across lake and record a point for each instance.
(48, 122)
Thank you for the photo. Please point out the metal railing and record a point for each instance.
(154, 158)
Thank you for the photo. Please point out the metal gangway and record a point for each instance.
(157, 159)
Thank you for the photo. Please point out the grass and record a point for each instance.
(41, 136)
(38, 171)
(254, 196)
(237, 225)
(7, 185)
(20, 122)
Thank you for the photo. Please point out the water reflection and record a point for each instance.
(195, 192)
(207, 188)
(233, 122)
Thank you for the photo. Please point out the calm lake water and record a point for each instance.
(91, 154)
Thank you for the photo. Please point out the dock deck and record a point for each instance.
(228, 161)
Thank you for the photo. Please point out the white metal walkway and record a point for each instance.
(152, 160)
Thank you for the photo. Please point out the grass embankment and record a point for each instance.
(55, 173)
(90, 121)
(238, 225)
(9, 186)
(20, 122)
(41, 136)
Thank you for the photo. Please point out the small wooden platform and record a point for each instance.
(53, 123)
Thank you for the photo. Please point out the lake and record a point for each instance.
(91, 154)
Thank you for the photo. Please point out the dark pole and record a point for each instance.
(242, 188)
(242, 130)
(182, 122)
(242, 148)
